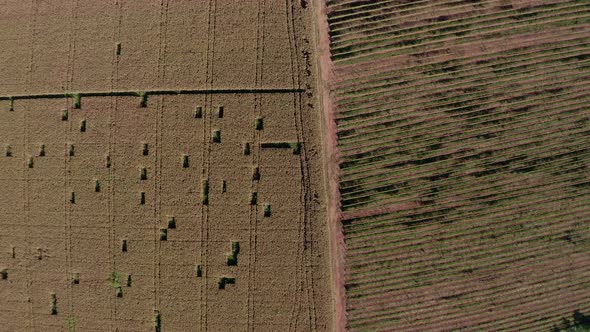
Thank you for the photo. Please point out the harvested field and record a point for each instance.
(129, 201)
(462, 132)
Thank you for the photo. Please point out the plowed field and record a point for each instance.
(463, 137)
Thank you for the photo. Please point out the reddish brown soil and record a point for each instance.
(332, 159)
(282, 278)
(462, 129)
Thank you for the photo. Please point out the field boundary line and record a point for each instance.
(255, 160)
(136, 93)
(307, 281)
(30, 266)
(298, 282)
(112, 147)
(205, 163)
(331, 156)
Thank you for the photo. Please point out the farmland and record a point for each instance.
(160, 168)
(462, 130)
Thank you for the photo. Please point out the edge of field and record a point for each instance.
(331, 159)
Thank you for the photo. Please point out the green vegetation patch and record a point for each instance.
(225, 281)
(294, 146)
(205, 192)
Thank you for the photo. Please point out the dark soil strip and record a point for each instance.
(150, 92)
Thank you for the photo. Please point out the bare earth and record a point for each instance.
(332, 157)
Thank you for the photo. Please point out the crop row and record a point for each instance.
(422, 48)
(466, 110)
(386, 71)
(371, 231)
(432, 142)
(374, 249)
(450, 166)
(354, 16)
(369, 50)
(571, 114)
(463, 132)
(391, 99)
(478, 75)
(385, 18)
(388, 32)
(480, 316)
(425, 170)
(474, 264)
(456, 250)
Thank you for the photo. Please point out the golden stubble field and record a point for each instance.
(176, 216)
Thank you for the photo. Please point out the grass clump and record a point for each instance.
(232, 258)
(171, 222)
(205, 192)
(143, 173)
(199, 271)
(4, 274)
(185, 162)
(73, 197)
(223, 186)
(145, 149)
(116, 284)
(71, 150)
(255, 173)
(267, 210)
(76, 279)
(235, 247)
(143, 99)
(118, 48)
(198, 112)
(259, 124)
(42, 152)
(224, 281)
(142, 198)
(83, 126)
(163, 234)
(157, 321)
(53, 303)
(253, 198)
(129, 281)
(247, 149)
(220, 112)
(97, 186)
(8, 151)
(71, 324)
(77, 101)
(124, 245)
(216, 136)
(30, 162)
(64, 115)
(108, 162)
(294, 146)
(581, 323)
(39, 253)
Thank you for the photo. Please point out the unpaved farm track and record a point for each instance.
(462, 135)
(332, 159)
(160, 167)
